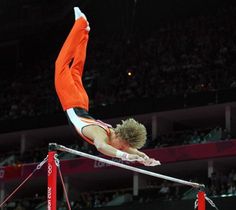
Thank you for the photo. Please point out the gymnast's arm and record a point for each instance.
(106, 149)
(147, 161)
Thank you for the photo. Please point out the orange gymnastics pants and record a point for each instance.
(68, 78)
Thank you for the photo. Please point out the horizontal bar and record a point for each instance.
(120, 165)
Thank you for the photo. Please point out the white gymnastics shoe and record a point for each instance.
(79, 14)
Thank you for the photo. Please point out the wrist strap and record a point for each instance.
(122, 155)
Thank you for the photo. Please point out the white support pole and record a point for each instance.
(228, 117)
(135, 184)
(210, 168)
(2, 193)
(120, 165)
(154, 126)
(22, 143)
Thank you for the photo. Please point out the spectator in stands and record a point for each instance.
(231, 188)
(233, 83)
(19, 206)
(165, 190)
(226, 134)
(195, 139)
(232, 176)
(62, 206)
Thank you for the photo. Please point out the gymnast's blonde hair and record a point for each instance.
(133, 132)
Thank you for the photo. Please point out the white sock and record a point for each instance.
(77, 12)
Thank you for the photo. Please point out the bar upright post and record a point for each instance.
(201, 201)
(52, 180)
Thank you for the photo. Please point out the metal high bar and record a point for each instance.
(62, 148)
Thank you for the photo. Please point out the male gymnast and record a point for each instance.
(123, 141)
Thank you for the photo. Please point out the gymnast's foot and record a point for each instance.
(79, 14)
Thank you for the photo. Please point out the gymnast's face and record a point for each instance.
(119, 143)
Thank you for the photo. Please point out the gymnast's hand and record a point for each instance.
(134, 157)
(150, 162)
(142, 157)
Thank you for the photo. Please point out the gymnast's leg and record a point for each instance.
(68, 80)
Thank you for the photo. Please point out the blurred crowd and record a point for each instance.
(184, 137)
(221, 183)
(178, 57)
